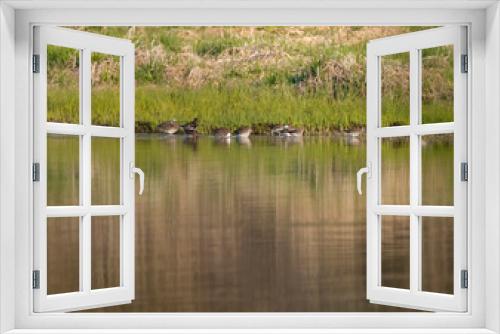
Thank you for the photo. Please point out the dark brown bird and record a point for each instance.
(190, 128)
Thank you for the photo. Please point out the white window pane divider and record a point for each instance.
(415, 168)
(80, 211)
(418, 210)
(81, 130)
(421, 130)
(86, 158)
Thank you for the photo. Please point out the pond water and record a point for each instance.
(260, 225)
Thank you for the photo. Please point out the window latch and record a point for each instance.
(368, 171)
(133, 170)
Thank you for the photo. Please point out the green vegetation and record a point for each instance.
(215, 46)
(311, 77)
(171, 42)
(61, 57)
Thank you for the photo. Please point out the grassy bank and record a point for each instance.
(309, 77)
(237, 106)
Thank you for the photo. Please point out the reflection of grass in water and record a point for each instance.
(436, 173)
(273, 199)
(63, 170)
(275, 153)
(294, 174)
(312, 168)
(236, 106)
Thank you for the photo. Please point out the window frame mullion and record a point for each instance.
(415, 168)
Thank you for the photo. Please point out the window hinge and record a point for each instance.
(36, 172)
(36, 279)
(36, 63)
(464, 168)
(465, 63)
(465, 279)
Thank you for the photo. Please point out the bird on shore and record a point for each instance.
(278, 129)
(287, 130)
(222, 132)
(169, 127)
(190, 128)
(244, 131)
(293, 132)
(352, 133)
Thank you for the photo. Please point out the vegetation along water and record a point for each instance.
(308, 77)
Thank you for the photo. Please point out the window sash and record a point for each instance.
(87, 43)
(414, 298)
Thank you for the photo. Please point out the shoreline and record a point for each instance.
(262, 129)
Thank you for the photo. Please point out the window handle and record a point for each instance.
(141, 175)
(368, 171)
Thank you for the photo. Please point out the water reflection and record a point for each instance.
(222, 141)
(244, 141)
(277, 226)
(191, 141)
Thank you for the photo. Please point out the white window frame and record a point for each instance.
(483, 49)
(414, 297)
(86, 297)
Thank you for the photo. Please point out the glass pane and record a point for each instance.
(437, 84)
(105, 171)
(395, 168)
(395, 81)
(63, 85)
(105, 252)
(105, 89)
(63, 170)
(63, 255)
(396, 251)
(437, 169)
(437, 254)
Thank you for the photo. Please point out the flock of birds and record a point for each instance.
(171, 127)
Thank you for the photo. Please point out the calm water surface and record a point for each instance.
(262, 225)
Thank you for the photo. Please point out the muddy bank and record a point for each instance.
(261, 129)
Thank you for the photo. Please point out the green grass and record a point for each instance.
(151, 72)
(63, 105)
(171, 42)
(61, 56)
(276, 76)
(215, 46)
(238, 106)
